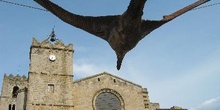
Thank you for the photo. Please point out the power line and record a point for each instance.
(206, 6)
(22, 5)
(28, 6)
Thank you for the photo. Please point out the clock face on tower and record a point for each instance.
(52, 57)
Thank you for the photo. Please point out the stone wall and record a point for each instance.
(50, 90)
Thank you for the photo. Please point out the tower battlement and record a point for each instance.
(59, 45)
(54, 57)
(16, 78)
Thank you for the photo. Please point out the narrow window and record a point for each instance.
(114, 81)
(98, 79)
(13, 107)
(15, 92)
(50, 88)
(9, 107)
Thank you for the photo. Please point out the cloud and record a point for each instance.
(84, 69)
(79, 48)
(211, 101)
(211, 104)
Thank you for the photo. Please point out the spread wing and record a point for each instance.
(99, 26)
(148, 26)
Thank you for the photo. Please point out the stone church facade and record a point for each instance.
(50, 85)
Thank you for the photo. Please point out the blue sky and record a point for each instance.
(179, 63)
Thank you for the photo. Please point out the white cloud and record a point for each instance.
(85, 69)
(211, 101)
(79, 48)
(211, 104)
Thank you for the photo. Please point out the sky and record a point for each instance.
(179, 63)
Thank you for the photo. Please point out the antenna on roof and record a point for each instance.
(19, 67)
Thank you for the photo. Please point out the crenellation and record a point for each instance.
(46, 44)
(15, 78)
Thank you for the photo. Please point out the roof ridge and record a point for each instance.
(89, 77)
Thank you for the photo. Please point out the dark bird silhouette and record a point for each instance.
(122, 32)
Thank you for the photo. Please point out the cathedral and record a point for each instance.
(50, 85)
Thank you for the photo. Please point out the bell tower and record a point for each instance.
(50, 75)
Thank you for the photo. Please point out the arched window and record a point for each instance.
(15, 91)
